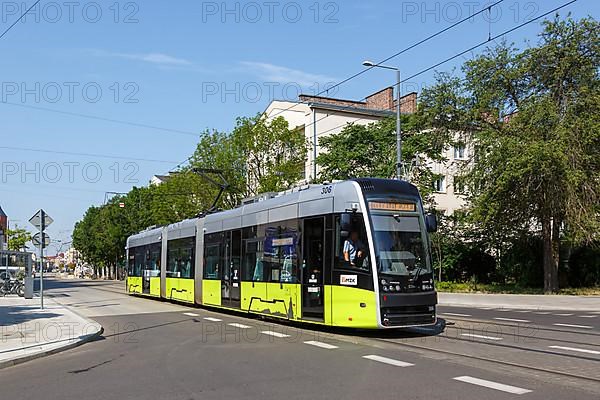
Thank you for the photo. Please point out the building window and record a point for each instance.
(439, 185)
(459, 151)
(459, 185)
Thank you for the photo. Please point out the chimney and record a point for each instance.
(382, 100)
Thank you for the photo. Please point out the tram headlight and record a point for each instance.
(392, 288)
(397, 288)
(385, 288)
(383, 282)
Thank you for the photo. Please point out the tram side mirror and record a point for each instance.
(345, 224)
(431, 222)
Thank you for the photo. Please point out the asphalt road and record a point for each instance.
(157, 350)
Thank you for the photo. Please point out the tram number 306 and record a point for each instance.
(326, 190)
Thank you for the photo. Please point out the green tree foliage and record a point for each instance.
(532, 118)
(17, 239)
(258, 156)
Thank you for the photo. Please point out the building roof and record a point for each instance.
(2, 213)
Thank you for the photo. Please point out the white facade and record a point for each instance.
(317, 120)
(319, 117)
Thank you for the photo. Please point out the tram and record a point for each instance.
(354, 254)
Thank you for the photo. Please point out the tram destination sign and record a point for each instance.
(378, 205)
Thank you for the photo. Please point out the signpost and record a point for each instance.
(41, 221)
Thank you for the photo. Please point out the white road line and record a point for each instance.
(587, 316)
(492, 385)
(512, 320)
(543, 312)
(213, 319)
(563, 315)
(321, 344)
(575, 326)
(523, 311)
(504, 309)
(389, 361)
(241, 326)
(276, 334)
(455, 314)
(472, 335)
(486, 308)
(190, 314)
(575, 349)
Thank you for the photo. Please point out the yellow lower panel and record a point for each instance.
(155, 286)
(180, 289)
(284, 300)
(211, 292)
(134, 284)
(346, 307)
(252, 294)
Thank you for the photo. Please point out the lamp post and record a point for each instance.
(371, 64)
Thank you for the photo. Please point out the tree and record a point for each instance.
(370, 151)
(532, 119)
(18, 238)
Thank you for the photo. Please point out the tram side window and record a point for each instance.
(352, 247)
(253, 260)
(212, 258)
(180, 258)
(140, 260)
(281, 255)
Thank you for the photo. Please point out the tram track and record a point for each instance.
(490, 360)
(471, 329)
(523, 325)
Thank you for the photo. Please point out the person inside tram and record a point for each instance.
(354, 250)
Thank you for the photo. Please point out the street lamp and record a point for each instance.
(371, 64)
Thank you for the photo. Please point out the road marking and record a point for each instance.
(587, 316)
(190, 314)
(480, 336)
(575, 349)
(523, 311)
(241, 326)
(504, 309)
(492, 385)
(455, 314)
(276, 334)
(575, 326)
(389, 361)
(563, 315)
(487, 308)
(321, 344)
(213, 319)
(543, 312)
(512, 320)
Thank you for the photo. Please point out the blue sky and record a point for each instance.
(186, 66)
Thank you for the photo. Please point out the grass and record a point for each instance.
(471, 287)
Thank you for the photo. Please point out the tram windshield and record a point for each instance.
(400, 244)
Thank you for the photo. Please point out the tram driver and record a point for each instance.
(354, 250)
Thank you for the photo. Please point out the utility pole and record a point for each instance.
(371, 64)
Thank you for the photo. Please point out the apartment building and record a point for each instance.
(320, 116)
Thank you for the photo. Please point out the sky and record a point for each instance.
(97, 97)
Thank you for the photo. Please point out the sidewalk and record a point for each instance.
(27, 332)
(521, 301)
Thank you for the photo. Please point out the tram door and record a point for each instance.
(231, 277)
(312, 269)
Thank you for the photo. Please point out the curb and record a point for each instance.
(80, 341)
(29, 357)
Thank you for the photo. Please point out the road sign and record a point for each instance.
(36, 220)
(37, 242)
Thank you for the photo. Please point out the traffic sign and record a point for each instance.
(36, 220)
(37, 242)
